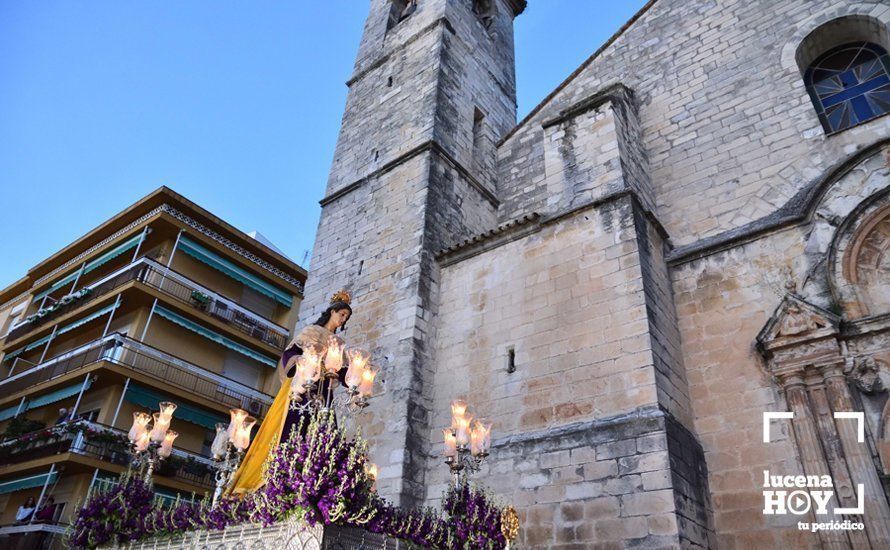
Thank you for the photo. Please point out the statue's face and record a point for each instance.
(339, 318)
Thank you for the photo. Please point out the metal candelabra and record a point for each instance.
(466, 442)
(317, 376)
(151, 443)
(228, 448)
(225, 467)
(145, 461)
(464, 461)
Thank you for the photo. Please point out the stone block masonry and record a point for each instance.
(608, 482)
(407, 181)
(594, 279)
(584, 301)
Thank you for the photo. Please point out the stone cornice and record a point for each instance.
(613, 93)
(503, 234)
(427, 146)
(532, 223)
(518, 6)
(646, 419)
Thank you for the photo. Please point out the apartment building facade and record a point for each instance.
(163, 302)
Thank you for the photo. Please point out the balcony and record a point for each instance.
(146, 361)
(103, 443)
(172, 284)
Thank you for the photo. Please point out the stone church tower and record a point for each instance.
(413, 172)
(691, 231)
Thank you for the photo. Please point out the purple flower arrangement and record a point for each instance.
(321, 476)
(474, 517)
(318, 475)
(116, 515)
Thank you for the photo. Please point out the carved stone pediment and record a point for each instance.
(795, 321)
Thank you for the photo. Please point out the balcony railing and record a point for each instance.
(103, 443)
(149, 361)
(187, 291)
(172, 284)
(75, 300)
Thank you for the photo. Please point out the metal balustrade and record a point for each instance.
(176, 286)
(148, 361)
(83, 438)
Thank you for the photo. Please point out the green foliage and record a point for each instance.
(20, 425)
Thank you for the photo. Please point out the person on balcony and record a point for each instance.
(25, 511)
(284, 416)
(47, 512)
(63, 416)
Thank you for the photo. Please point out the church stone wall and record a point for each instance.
(723, 301)
(664, 335)
(587, 446)
(377, 258)
(652, 212)
(382, 122)
(729, 129)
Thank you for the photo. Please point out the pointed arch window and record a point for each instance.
(849, 85)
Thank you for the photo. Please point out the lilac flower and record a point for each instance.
(318, 477)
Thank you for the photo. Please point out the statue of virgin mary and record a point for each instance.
(284, 415)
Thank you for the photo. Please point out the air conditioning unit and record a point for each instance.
(254, 407)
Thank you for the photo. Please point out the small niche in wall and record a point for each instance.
(485, 11)
(400, 10)
(478, 125)
(511, 359)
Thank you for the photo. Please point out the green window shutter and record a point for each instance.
(148, 398)
(103, 259)
(216, 337)
(232, 270)
(58, 395)
(37, 343)
(113, 253)
(87, 319)
(27, 482)
(6, 414)
(57, 285)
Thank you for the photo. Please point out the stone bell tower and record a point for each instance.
(432, 91)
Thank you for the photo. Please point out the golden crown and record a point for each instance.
(341, 296)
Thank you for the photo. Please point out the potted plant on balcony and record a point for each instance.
(200, 299)
(19, 426)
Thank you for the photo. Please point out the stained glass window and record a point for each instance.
(849, 85)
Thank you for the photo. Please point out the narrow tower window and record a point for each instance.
(399, 11)
(478, 137)
(484, 10)
(511, 359)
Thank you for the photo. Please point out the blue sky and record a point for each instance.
(235, 105)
